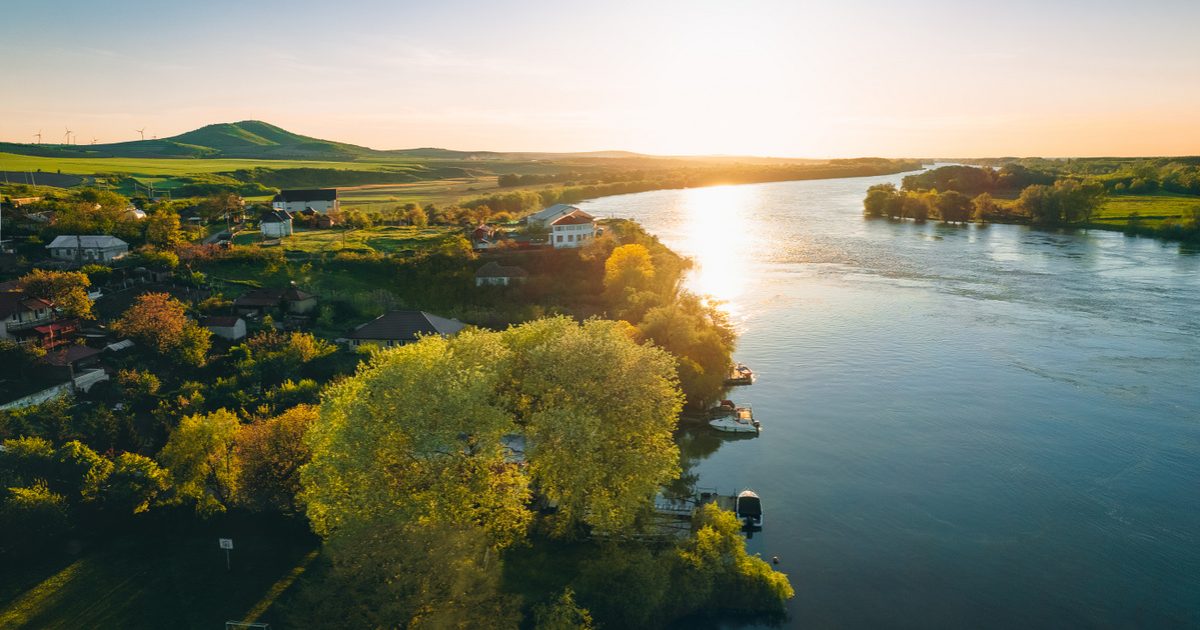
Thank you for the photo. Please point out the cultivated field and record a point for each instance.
(383, 239)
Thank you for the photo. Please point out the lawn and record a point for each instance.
(175, 580)
(386, 239)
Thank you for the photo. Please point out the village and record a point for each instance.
(74, 353)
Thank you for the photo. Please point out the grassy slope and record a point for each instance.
(171, 580)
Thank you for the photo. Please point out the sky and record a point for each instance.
(792, 78)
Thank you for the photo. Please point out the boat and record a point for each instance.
(735, 418)
(739, 374)
(748, 508)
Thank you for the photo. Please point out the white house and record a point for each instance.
(322, 200)
(573, 230)
(276, 224)
(493, 274)
(87, 248)
(133, 214)
(226, 326)
(20, 312)
(547, 216)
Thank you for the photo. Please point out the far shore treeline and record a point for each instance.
(1081, 193)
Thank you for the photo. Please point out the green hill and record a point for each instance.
(249, 139)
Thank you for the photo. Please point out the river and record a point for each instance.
(967, 427)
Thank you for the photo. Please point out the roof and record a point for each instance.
(406, 326)
(86, 240)
(553, 211)
(123, 344)
(276, 216)
(307, 194)
(69, 354)
(578, 217)
(495, 270)
(12, 302)
(221, 321)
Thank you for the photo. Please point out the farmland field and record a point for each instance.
(1151, 209)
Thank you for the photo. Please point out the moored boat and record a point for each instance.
(740, 374)
(735, 418)
(748, 508)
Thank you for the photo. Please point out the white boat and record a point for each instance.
(735, 419)
(748, 508)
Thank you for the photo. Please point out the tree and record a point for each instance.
(199, 456)
(417, 217)
(162, 229)
(954, 207)
(915, 207)
(31, 518)
(160, 321)
(135, 482)
(562, 614)
(700, 337)
(269, 455)
(1041, 204)
(599, 412)
(415, 436)
(66, 290)
(983, 206)
(878, 199)
(628, 268)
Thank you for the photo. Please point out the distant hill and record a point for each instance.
(257, 140)
(249, 139)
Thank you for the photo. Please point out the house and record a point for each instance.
(547, 216)
(291, 301)
(572, 230)
(321, 200)
(228, 327)
(276, 224)
(133, 214)
(72, 358)
(494, 273)
(397, 328)
(53, 334)
(87, 248)
(22, 312)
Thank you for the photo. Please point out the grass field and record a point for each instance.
(173, 166)
(382, 239)
(440, 191)
(1152, 210)
(174, 580)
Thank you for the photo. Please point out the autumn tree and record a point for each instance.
(162, 229)
(199, 456)
(160, 321)
(134, 483)
(562, 614)
(269, 455)
(66, 290)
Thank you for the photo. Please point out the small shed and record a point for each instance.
(229, 327)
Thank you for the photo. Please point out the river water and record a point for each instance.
(969, 427)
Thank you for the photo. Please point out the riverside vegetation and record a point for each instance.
(1140, 197)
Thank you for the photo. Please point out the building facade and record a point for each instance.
(572, 230)
(87, 248)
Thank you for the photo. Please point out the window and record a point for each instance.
(560, 238)
(570, 238)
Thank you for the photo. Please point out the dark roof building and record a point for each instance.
(291, 299)
(276, 216)
(495, 273)
(396, 328)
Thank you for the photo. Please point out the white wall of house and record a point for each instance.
(502, 281)
(89, 254)
(276, 229)
(232, 333)
(567, 236)
(322, 207)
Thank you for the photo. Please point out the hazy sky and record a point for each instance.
(768, 77)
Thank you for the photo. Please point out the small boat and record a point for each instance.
(735, 418)
(739, 374)
(748, 508)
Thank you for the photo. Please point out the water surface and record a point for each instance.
(984, 427)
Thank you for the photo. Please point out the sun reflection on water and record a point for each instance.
(717, 234)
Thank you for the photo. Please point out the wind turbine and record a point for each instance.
(141, 132)
(38, 135)
(93, 141)
(67, 136)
